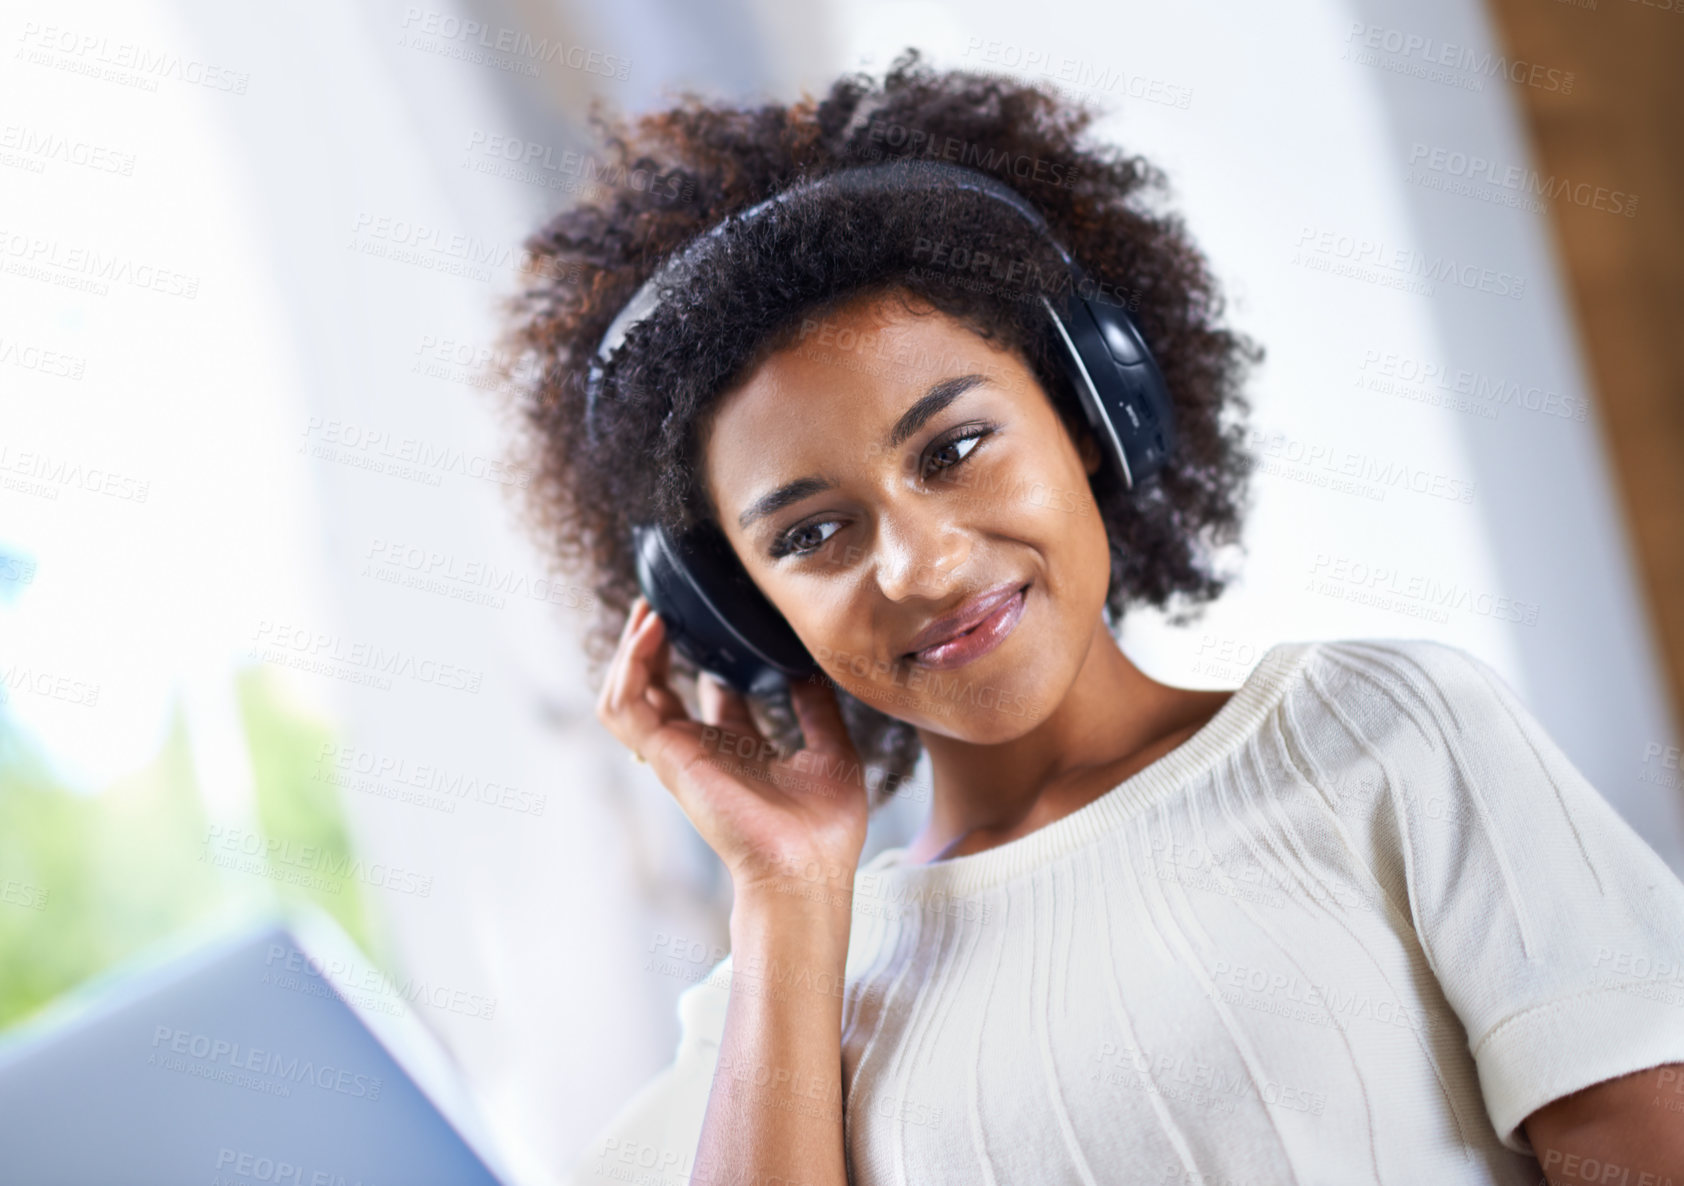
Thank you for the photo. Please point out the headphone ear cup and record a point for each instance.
(1122, 392)
(1148, 394)
(715, 615)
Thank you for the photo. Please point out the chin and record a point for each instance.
(968, 708)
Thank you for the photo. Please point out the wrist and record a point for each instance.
(783, 952)
(792, 909)
(776, 883)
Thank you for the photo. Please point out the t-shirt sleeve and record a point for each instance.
(1555, 932)
(654, 1136)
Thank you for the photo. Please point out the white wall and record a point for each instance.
(353, 115)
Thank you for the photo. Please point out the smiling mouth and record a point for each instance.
(978, 639)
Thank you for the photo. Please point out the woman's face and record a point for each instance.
(892, 469)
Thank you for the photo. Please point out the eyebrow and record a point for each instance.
(928, 405)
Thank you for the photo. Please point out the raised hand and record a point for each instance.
(774, 818)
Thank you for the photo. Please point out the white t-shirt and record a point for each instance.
(1354, 930)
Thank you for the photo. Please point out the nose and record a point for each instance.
(918, 553)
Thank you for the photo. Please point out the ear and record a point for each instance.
(1089, 450)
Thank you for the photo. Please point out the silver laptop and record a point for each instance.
(236, 1062)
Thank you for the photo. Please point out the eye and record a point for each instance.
(951, 450)
(790, 543)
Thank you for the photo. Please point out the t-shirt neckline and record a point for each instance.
(1237, 719)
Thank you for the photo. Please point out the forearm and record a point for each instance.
(774, 1113)
(1627, 1131)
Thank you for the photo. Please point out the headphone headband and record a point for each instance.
(715, 614)
(859, 179)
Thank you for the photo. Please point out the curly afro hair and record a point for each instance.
(687, 169)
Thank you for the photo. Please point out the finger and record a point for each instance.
(645, 641)
(635, 614)
(613, 688)
(646, 685)
(659, 662)
(626, 703)
(820, 715)
(725, 707)
(709, 698)
(667, 703)
(609, 699)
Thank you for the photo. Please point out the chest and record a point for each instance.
(1124, 1020)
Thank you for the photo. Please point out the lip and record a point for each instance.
(971, 632)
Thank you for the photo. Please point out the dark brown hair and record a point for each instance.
(703, 161)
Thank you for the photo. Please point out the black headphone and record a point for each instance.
(715, 615)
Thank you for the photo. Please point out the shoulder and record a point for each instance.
(1419, 686)
(1373, 712)
(1421, 663)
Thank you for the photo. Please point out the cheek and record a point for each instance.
(1052, 504)
(1092, 552)
(827, 622)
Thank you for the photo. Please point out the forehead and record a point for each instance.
(843, 379)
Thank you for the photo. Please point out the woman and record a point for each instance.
(1357, 920)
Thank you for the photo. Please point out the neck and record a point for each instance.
(1113, 720)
